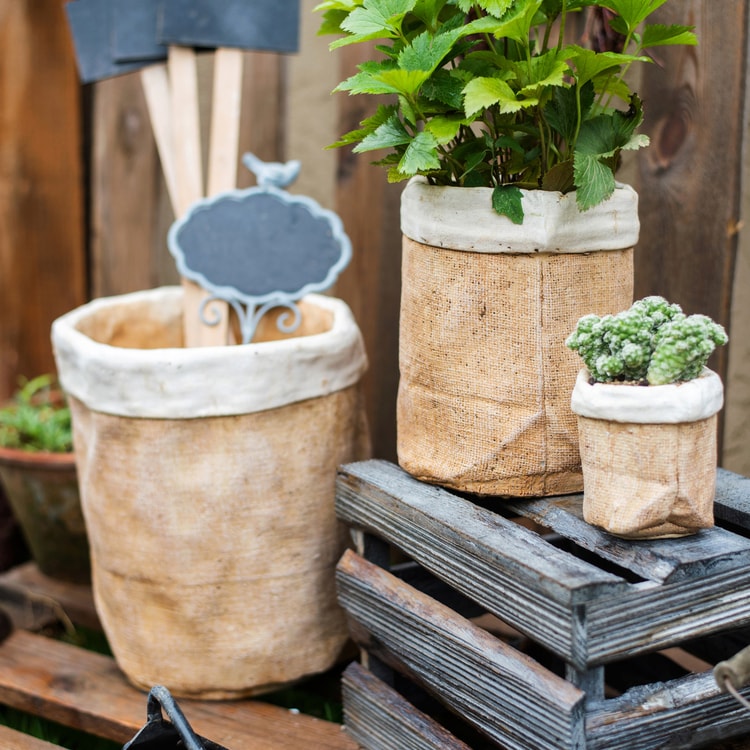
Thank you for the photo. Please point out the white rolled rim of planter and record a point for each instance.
(463, 219)
(184, 383)
(675, 403)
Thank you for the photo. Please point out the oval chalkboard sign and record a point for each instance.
(260, 247)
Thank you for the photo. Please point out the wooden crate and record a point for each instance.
(86, 691)
(573, 596)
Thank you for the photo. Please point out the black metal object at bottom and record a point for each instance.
(175, 734)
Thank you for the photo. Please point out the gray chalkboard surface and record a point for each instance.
(261, 24)
(92, 27)
(135, 24)
(261, 246)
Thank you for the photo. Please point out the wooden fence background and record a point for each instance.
(84, 211)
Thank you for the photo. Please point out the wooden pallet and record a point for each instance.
(578, 597)
(86, 691)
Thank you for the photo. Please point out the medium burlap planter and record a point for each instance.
(486, 306)
(207, 484)
(649, 455)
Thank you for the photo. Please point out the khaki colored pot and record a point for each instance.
(484, 395)
(207, 479)
(649, 455)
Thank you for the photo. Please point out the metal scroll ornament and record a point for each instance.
(260, 248)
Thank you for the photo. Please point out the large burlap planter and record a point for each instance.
(649, 455)
(484, 395)
(207, 485)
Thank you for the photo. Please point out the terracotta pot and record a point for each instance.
(42, 489)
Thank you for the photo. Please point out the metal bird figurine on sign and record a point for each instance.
(260, 248)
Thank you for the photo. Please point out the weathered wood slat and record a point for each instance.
(508, 569)
(680, 714)
(664, 560)
(86, 691)
(378, 718)
(651, 617)
(733, 499)
(12, 740)
(469, 670)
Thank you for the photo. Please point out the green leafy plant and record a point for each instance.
(652, 342)
(489, 93)
(38, 418)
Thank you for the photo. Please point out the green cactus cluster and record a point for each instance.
(653, 342)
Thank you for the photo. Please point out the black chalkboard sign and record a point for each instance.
(135, 30)
(92, 26)
(271, 25)
(260, 246)
(112, 37)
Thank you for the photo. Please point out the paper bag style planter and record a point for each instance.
(207, 475)
(649, 455)
(484, 394)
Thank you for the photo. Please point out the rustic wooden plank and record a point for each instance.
(683, 214)
(75, 599)
(42, 248)
(501, 692)
(86, 691)
(733, 499)
(653, 616)
(684, 713)
(369, 208)
(379, 718)
(128, 193)
(663, 560)
(506, 568)
(13, 740)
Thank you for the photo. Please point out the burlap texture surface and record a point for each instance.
(484, 395)
(647, 481)
(214, 540)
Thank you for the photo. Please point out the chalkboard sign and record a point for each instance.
(92, 27)
(261, 247)
(135, 24)
(261, 25)
(112, 37)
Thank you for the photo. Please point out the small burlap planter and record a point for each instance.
(486, 306)
(207, 484)
(649, 455)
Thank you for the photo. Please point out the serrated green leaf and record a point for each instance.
(345, 5)
(589, 64)
(367, 126)
(445, 127)
(331, 23)
(366, 82)
(388, 135)
(406, 82)
(426, 51)
(561, 111)
(548, 69)
(658, 35)
(633, 12)
(507, 201)
(594, 180)
(421, 155)
(482, 93)
(560, 178)
(517, 24)
(496, 7)
(394, 175)
(445, 88)
(378, 16)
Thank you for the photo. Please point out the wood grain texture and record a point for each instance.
(130, 208)
(86, 691)
(567, 601)
(12, 740)
(42, 251)
(371, 285)
(655, 716)
(689, 177)
(469, 670)
(378, 718)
